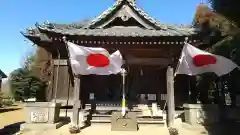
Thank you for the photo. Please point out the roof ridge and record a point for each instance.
(104, 13)
(145, 15)
(134, 6)
(157, 22)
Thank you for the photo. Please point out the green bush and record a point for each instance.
(6, 101)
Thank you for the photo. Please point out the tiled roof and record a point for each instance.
(122, 32)
(87, 28)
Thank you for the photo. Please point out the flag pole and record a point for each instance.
(185, 42)
(77, 104)
(123, 73)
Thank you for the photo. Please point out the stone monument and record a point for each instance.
(42, 116)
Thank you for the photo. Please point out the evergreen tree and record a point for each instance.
(220, 28)
(228, 8)
(24, 84)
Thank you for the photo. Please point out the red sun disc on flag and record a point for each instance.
(203, 60)
(98, 60)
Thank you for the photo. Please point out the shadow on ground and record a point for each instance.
(229, 123)
(11, 129)
(2, 110)
(227, 128)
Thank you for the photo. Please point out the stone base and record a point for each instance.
(41, 126)
(42, 112)
(201, 114)
(192, 127)
(126, 123)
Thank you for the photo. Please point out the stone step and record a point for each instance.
(109, 114)
(138, 121)
(116, 105)
(109, 108)
(105, 109)
(143, 121)
(96, 118)
(138, 116)
(99, 118)
(141, 118)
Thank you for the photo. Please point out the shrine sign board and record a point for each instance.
(39, 116)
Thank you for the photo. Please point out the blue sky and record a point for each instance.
(17, 15)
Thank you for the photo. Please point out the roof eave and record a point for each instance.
(3, 75)
(85, 32)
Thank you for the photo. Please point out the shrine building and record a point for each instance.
(148, 47)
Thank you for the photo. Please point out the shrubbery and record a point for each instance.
(6, 101)
(25, 85)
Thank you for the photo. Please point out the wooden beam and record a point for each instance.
(134, 61)
(148, 61)
(149, 53)
(170, 97)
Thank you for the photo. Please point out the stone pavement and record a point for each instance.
(225, 128)
(103, 129)
(185, 130)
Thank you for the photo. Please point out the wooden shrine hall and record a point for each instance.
(148, 46)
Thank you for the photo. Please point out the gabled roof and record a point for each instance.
(120, 5)
(2, 74)
(127, 5)
(123, 9)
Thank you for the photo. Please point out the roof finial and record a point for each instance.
(132, 1)
(186, 40)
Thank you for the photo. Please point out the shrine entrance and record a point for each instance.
(143, 84)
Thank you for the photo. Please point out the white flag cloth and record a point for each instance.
(93, 60)
(194, 61)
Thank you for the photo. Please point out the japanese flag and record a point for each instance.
(89, 60)
(194, 61)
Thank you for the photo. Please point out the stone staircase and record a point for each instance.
(101, 113)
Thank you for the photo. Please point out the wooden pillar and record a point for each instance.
(170, 97)
(77, 102)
